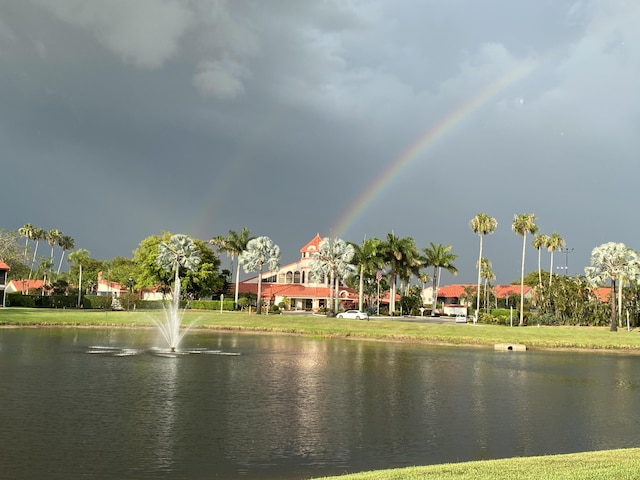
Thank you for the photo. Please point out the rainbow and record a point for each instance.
(426, 141)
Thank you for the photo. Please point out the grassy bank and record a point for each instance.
(595, 338)
(618, 464)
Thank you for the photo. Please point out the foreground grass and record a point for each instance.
(610, 464)
(593, 338)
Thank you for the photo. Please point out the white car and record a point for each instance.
(356, 314)
(461, 318)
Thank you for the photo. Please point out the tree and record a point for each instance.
(65, 242)
(333, 261)
(79, 258)
(52, 237)
(367, 258)
(11, 254)
(540, 240)
(523, 224)
(487, 275)
(233, 244)
(195, 283)
(555, 242)
(180, 251)
(482, 224)
(26, 231)
(438, 256)
(401, 255)
(611, 261)
(37, 234)
(260, 251)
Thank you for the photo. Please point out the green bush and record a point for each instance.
(97, 302)
(19, 300)
(211, 304)
(56, 301)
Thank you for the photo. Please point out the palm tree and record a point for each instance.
(488, 275)
(52, 237)
(234, 244)
(333, 260)
(523, 224)
(482, 224)
(369, 261)
(556, 242)
(79, 257)
(611, 261)
(438, 256)
(402, 255)
(260, 251)
(540, 240)
(179, 251)
(65, 243)
(26, 231)
(37, 234)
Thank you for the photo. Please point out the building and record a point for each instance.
(4, 272)
(454, 294)
(293, 282)
(25, 286)
(106, 287)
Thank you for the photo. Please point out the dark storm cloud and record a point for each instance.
(122, 119)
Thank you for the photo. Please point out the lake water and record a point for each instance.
(293, 408)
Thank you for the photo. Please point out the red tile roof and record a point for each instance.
(603, 293)
(503, 291)
(314, 242)
(456, 290)
(4, 266)
(27, 285)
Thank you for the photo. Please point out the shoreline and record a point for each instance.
(631, 351)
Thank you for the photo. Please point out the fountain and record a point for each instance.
(178, 251)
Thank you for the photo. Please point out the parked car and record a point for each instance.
(461, 318)
(357, 314)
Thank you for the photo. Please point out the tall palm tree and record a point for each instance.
(80, 258)
(37, 234)
(233, 244)
(488, 275)
(438, 256)
(52, 237)
(523, 224)
(65, 243)
(556, 242)
(26, 231)
(482, 224)
(540, 240)
(401, 255)
(367, 258)
(260, 251)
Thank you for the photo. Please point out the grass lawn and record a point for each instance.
(594, 338)
(604, 465)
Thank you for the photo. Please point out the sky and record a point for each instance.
(122, 119)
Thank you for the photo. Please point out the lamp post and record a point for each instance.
(566, 252)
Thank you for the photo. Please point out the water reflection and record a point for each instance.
(292, 407)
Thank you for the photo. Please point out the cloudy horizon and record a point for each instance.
(121, 120)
